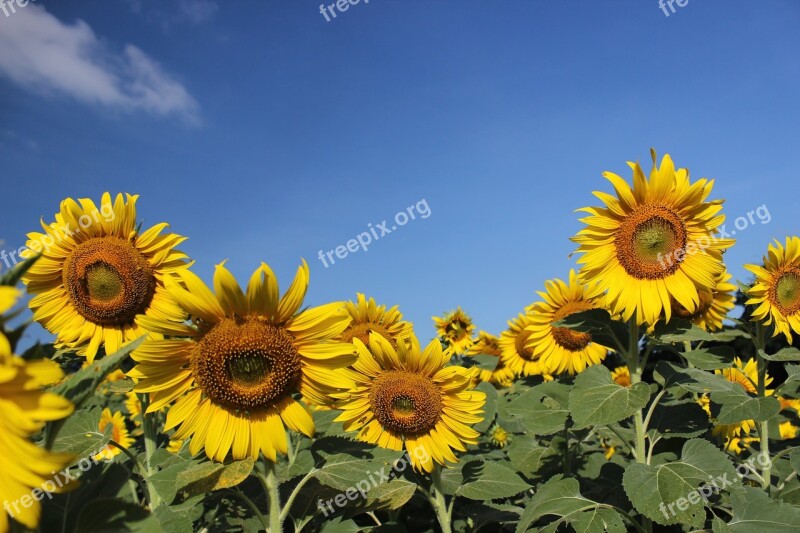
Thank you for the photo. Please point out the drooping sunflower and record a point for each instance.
(406, 396)
(517, 354)
(621, 376)
(24, 409)
(562, 349)
(713, 305)
(488, 344)
(234, 371)
(368, 316)
(746, 375)
(653, 242)
(119, 434)
(98, 274)
(455, 329)
(776, 291)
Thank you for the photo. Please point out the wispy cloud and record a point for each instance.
(198, 11)
(41, 53)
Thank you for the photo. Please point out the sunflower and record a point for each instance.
(621, 376)
(488, 344)
(98, 275)
(119, 434)
(517, 354)
(24, 409)
(561, 349)
(499, 437)
(8, 297)
(406, 394)
(776, 291)
(653, 242)
(713, 305)
(745, 375)
(789, 403)
(233, 372)
(134, 407)
(455, 329)
(367, 316)
(788, 430)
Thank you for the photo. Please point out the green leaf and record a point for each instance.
(596, 400)
(667, 494)
(538, 413)
(562, 499)
(794, 459)
(112, 514)
(753, 510)
(711, 358)
(489, 481)
(343, 470)
(12, 276)
(599, 324)
(528, 457)
(682, 331)
(206, 477)
(80, 435)
(789, 353)
(685, 419)
(484, 362)
(489, 408)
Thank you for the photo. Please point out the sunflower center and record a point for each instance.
(362, 330)
(650, 242)
(567, 338)
(108, 281)
(787, 292)
(246, 364)
(520, 344)
(405, 402)
(706, 300)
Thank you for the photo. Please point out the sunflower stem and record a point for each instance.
(271, 482)
(636, 371)
(763, 427)
(438, 500)
(150, 429)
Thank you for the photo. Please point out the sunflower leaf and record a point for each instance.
(789, 353)
(712, 358)
(667, 494)
(683, 331)
(562, 498)
(80, 435)
(536, 411)
(753, 510)
(599, 324)
(489, 480)
(596, 400)
(685, 419)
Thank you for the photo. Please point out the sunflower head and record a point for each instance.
(406, 396)
(235, 371)
(775, 295)
(119, 433)
(500, 376)
(713, 306)
(518, 354)
(736, 435)
(98, 274)
(558, 348)
(455, 329)
(653, 242)
(367, 316)
(499, 437)
(621, 376)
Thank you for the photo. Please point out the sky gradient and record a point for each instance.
(266, 133)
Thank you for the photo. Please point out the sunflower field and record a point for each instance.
(644, 390)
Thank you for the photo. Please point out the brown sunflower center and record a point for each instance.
(520, 344)
(361, 331)
(567, 338)
(108, 281)
(246, 364)
(706, 300)
(786, 292)
(405, 402)
(650, 242)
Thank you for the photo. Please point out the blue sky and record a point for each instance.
(265, 133)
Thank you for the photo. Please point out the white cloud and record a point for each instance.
(41, 53)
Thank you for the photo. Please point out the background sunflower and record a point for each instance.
(776, 291)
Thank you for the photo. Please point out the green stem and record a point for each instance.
(150, 429)
(565, 456)
(763, 427)
(271, 483)
(636, 371)
(252, 506)
(438, 501)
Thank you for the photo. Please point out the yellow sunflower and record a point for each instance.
(653, 242)
(561, 349)
(713, 305)
(621, 376)
(134, 407)
(746, 375)
(367, 316)
(406, 394)
(499, 437)
(98, 274)
(455, 329)
(234, 371)
(488, 344)
(119, 434)
(8, 297)
(24, 409)
(776, 291)
(517, 353)
(788, 430)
